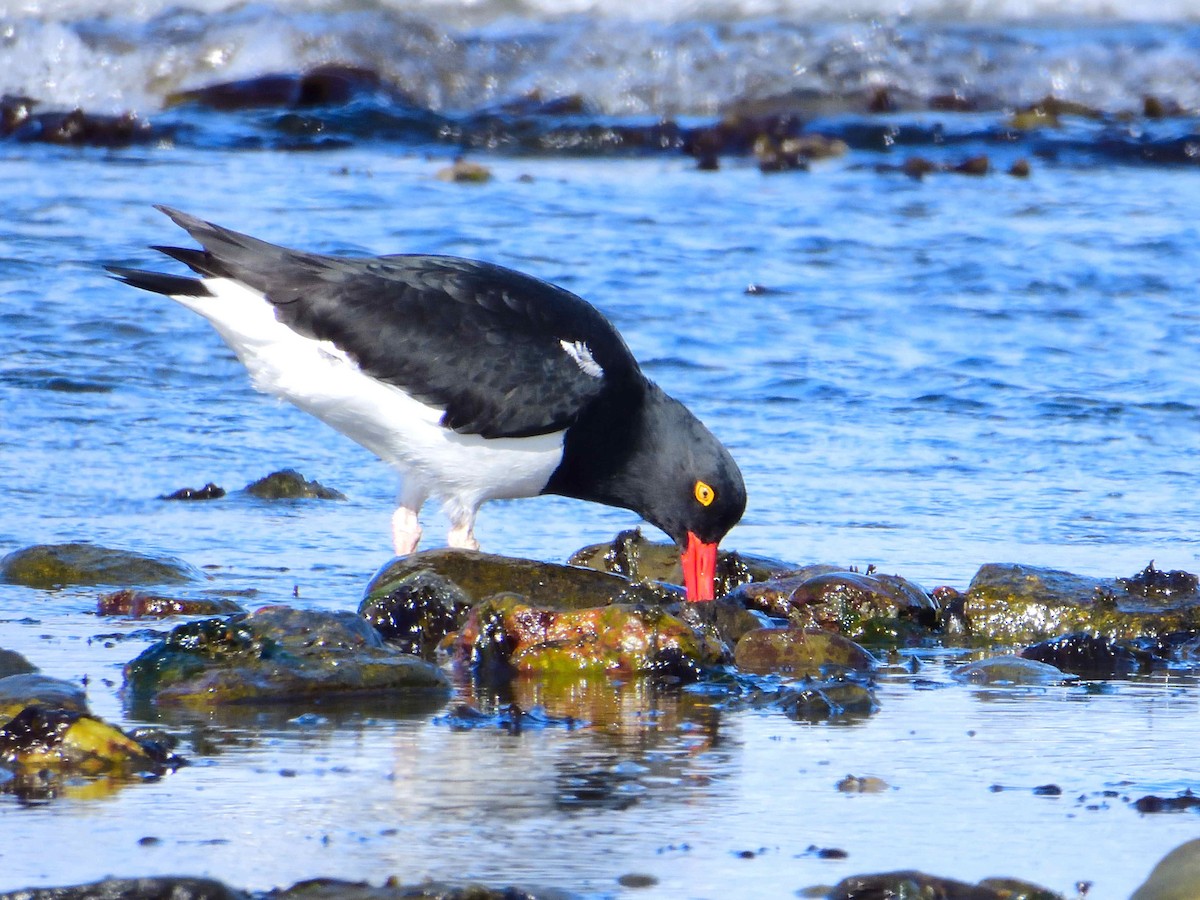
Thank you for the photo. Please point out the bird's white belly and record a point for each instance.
(320, 379)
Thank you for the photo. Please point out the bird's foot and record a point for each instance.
(462, 537)
(406, 531)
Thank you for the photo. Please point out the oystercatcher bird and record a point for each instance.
(474, 381)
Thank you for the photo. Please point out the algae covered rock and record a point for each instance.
(801, 653)
(918, 884)
(58, 565)
(137, 604)
(1012, 603)
(507, 635)
(288, 484)
(274, 653)
(773, 596)
(50, 743)
(865, 606)
(481, 575)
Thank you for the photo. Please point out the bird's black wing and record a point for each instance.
(502, 353)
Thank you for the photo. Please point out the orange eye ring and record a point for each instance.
(704, 493)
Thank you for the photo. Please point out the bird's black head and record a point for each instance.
(654, 457)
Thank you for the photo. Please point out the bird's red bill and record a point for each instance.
(699, 569)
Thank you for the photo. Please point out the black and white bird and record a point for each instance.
(475, 382)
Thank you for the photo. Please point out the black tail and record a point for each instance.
(171, 285)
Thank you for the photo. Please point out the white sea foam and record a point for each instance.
(624, 57)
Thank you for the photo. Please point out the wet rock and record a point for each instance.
(51, 744)
(801, 653)
(333, 889)
(1002, 670)
(865, 607)
(209, 492)
(1020, 168)
(773, 595)
(57, 565)
(632, 555)
(15, 110)
(329, 85)
(79, 128)
(40, 737)
(1090, 656)
(274, 653)
(13, 663)
(481, 575)
(416, 611)
(723, 620)
(821, 700)
(1016, 604)
(511, 718)
(917, 167)
(1153, 804)
(1154, 584)
(463, 171)
(918, 884)
(34, 689)
(975, 165)
(135, 604)
(1175, 877)
(862, 784)
(506, 635)
(156, 888)
(953, 102)
(288, 484)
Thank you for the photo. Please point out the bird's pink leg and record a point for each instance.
(406, 523)
(462, 536)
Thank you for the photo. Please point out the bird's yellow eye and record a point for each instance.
(704, 493)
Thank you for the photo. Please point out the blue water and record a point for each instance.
(926, 376)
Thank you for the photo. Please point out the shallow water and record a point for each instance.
(932, 375)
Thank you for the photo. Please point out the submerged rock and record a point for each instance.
(57, 565)
(1009, 670)
(801, 653)
(506, 635)
(481, 575)
(274, 653)
(288, 484)
(137, 604)
(1012, 603)
(210, 491)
